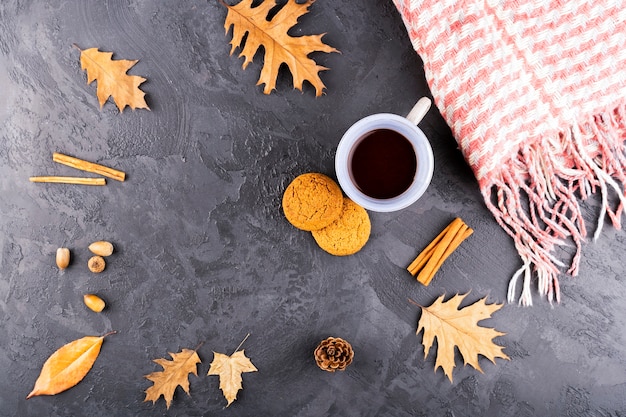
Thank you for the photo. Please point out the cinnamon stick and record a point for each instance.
(88, 166)
(456, 241)
(70, 180)
(432, 257)
(423, 257)
(429, 269)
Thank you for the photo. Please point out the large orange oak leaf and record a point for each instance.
(229, 369)
(252, 29)
(175, 372)
(67, 366)
(459, 327)
(112, 79)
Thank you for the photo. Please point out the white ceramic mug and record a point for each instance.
(406, 127)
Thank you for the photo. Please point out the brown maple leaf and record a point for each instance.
(229, 369)
(175, 372)
(453, 327)
(67, 366)
(112, 79)
(279, 46)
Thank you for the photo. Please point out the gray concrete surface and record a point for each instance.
(204, 254)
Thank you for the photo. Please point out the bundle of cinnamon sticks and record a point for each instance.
(432, 257)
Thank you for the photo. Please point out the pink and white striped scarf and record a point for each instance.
(535, 94)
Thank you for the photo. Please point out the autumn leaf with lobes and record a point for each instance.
(112, 79)
(175, 373)
(229, 369)
(459, 327)
(252, 24)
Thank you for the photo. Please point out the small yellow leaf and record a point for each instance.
(252, 29)
(112, 79)
(67, 366)
(453, 327)
(229, 369)
(175, 372)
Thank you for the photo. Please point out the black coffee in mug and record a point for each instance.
(383, 164)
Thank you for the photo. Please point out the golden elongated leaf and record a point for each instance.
(453, 327)
(229, 369)
(67, 366)
(175, 372)
(280, 48)
(112, 79)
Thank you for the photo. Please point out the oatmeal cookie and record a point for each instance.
(312, 201)
(348, 234)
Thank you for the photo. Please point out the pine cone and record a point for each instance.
(333, 354)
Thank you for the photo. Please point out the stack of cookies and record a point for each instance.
(315, 203)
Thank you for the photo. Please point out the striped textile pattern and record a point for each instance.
(535, 94)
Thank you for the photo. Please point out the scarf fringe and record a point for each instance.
(535, 197)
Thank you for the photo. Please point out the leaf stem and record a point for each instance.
(109, 333)
(414, 303)
(240, 344)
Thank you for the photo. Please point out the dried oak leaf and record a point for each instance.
(67, 366)
(279, 46)
(175, 372)
(453, 327)
(112, 79)
(229, 369)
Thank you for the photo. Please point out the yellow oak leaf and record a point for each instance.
(229, 369)
(175, 372)
(67, 366)
(459, 327)
(252, 24)
(112, 79)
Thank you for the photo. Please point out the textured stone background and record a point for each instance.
(204, 253)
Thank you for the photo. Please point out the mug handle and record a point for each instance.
(418, 111)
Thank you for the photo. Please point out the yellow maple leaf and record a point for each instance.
(278, 45)
(175, 372)
(112, 79)
(229, 369)
(68, 366)
(459, 327)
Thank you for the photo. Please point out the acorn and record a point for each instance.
(94, 302)
(101, 248)
(63, 258)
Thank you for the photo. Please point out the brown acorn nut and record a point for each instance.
(101, 248)
(96, 264)
(63, 258)
(94, 302)
(333, 354)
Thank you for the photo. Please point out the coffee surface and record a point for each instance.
(383, 164)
